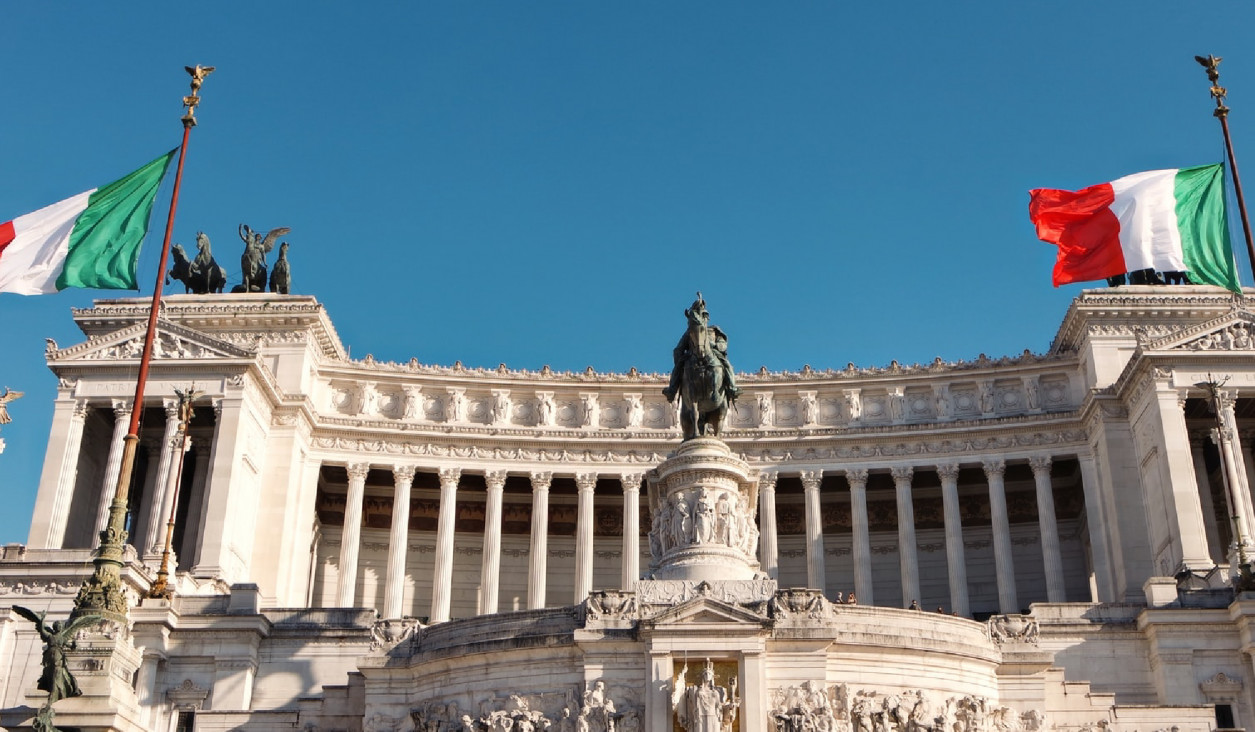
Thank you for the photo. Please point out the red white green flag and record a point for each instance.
(89, 240)
(1166, 220)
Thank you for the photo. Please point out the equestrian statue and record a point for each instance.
(702, 377)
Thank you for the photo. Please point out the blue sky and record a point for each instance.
(548, 183)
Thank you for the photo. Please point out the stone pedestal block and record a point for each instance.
(703, 500)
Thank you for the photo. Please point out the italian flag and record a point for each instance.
(1166, 220)
(89, 240)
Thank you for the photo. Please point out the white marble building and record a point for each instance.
(375, 546)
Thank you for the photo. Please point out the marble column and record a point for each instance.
(585, 484)
(862, 548)
(490, 573)
(908, 559)
(67, 476)
(351, 536)
(631, 529)
(1099, 554)
(442, 579)
(537, 567)
(398, 542)
(768, 549)
(121, 420)
(815, 574)
(956, 563)
(170, 444)
(1243, 506)
(1005, 566)
(1052, 560)
(1214, 546)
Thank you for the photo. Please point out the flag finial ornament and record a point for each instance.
(198, 74)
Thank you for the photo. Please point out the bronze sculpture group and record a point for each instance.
(203, 275)
(55, 677)
(702, 377)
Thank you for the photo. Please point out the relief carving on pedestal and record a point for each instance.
(1013, 628)
(704, 515)
(590, 710)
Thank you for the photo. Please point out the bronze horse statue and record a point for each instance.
(202, 275)
(702, 379)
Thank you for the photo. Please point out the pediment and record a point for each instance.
(173, 341)
(1234, 331)
(707, 611)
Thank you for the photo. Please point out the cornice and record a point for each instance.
(1135, 305)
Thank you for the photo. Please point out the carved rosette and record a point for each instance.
(703, 500)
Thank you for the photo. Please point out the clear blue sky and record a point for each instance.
(548, 182)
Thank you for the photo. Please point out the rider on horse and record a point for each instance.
(691, 344)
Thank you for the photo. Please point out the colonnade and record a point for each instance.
(857, 478)
(490, 580)
(908, 560)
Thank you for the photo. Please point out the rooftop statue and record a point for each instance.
(202, 275)
(702, 377)
(253, 261)
(281, 275)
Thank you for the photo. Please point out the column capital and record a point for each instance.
(948, 471)
(902, 473)
(857, 477)
(495, 479)
(631, 481)
(767, 480)
(1040, 464)
(357, 471)
(811, 479)
(171, 407)
(80, 409)
(585, 481)
(994, 467)
(217, 405)
(403, 473)
(121, 408)
(449, 477)
(541, 479)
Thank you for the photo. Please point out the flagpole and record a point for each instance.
(101, 594)
(1212, 64)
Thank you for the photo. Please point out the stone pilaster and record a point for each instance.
(398, 541)
(815, 572)
(908, 560)
(351, 536)
(769, 551)
(1005, 566)
(862, 549)
(1052, 561)
(121, 420)
(956, 563)
(537, 567)
(64, 447)
(490, 573)
(631, 529)
(442, 579)
(1100, 555)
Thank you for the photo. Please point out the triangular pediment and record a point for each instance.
(173, 341)
(706, 611)
(1234, 331)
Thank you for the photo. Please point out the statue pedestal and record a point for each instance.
(704, 500)
(104, 667)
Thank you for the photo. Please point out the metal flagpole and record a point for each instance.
(1212, 64)
(101, 594)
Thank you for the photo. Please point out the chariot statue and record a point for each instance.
(202, 275)
(253, 261)
(702, 378)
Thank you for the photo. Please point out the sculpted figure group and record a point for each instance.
(590, 710)
(704, 516)
(810, 707)
(203, 275)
